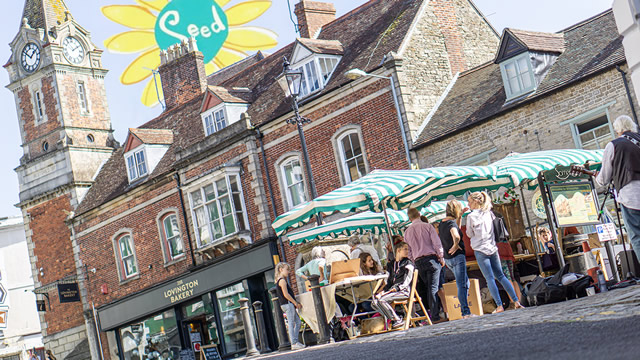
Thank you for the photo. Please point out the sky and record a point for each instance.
(124, 104)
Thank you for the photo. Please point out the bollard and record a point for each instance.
(321, 316)
(281, 330)
(248, 328)
(262, 331)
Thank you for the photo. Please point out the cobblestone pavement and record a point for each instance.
(617, 304)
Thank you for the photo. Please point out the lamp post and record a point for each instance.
(291, 82)
(354, 74)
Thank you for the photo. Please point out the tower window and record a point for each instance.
(90, 139)
(45, 146)
(82, 97)
(39, 109)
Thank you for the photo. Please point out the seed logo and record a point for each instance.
(222, 35)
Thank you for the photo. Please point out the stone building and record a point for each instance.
(165, 233)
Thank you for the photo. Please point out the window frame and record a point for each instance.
(133, 154)
(505, 79)
(586, 117)
(39, 109)
(122, 273)
(200, 186)
(287, 198)
(340, 154)
(315, 59)
(81, 90)
(214, 123)
(166, 246)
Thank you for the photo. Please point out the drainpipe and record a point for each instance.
(626, 87)
(184, 215)
(270, 188)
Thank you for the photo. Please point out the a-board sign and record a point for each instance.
(574, 204)
(187, 354)
(210, 352)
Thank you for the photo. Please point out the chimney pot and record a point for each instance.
(182, 73)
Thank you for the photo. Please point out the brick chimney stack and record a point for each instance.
(182, 73)
(312, 15)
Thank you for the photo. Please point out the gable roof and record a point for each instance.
(328, 47)
(153, 136)
(232, 95)
(515, 42)
(478, 95)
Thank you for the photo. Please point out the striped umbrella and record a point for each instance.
(525, 167)
(393, 189)
(367, 221)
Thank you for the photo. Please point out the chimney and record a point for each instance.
(312, 15)
(182, 73)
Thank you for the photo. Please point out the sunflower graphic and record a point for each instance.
(221, 34)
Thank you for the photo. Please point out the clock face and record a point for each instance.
(73, 50)
(30, 57)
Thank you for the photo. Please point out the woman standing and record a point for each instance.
(288, 304)
(454, 254)
(480, 231)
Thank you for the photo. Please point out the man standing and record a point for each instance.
(621, 164)
(427, 253)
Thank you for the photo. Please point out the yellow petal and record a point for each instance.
(210, 68)
(222, 2)
(247, 11)
(131, 42)
(138, 70)
(149, 94)
(133, 16)
(228, 56)
(251, 38)
(157, 5)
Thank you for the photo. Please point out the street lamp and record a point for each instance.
(354, 74)
(291, 83)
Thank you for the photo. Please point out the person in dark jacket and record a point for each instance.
(398, 285)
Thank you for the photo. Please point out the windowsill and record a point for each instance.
(519, 97)
(175, 260)
(222, 240)
(127, 280)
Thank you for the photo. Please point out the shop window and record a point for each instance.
(292, 181)
(231, 318)
(199, 322)
(218, 210)
(351, 155)
(155, 337)
(171, 237)
(126, 256)
(517, 76)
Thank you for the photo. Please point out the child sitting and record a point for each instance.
(398, 285)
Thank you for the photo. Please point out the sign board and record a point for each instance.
(563, 173)
(187, 354)
(3, 294)
(537, 205)
(197, 346)
(606, 232)
(68, 293)
(574, 204)
(210, 352)
(41, 305)
(4, 315)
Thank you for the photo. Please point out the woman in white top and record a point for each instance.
(480, 231)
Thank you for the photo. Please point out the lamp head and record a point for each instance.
(355, 74)
(290, 80)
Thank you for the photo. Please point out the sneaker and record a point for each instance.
(297, 346)
(397, 324)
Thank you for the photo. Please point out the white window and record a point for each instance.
(136, 165)
(37, 96)
(352, 156)
(293, 181)
(170, 234)
(127, 257)
(82, 97)
(215, 121)
(316, 73)
(218, 210)
(517, 75)
(594, 134)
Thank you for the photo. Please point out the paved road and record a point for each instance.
(580, 340)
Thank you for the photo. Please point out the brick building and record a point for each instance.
(165, 233)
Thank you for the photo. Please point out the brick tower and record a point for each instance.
(57, 79)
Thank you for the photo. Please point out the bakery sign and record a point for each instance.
(182, 291)
(68, 293)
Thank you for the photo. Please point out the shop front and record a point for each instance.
(175, 319)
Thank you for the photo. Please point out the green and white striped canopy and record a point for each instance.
(393, 189)
(524, 167)
(367, 221)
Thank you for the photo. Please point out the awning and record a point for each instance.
(367, 221)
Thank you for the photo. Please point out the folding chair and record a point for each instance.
(407, 304)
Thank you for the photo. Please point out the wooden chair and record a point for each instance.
(407, 304)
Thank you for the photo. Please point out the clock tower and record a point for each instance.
(57, 78)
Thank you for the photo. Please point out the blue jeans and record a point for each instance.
(293, 320)
(458, 264)
(429, 272)
(632, 224)
(491, 269)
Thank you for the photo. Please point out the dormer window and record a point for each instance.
(136, 165)
(222, 107)
(517, 75)
(317, 60)
(214, 120)
(144, 149)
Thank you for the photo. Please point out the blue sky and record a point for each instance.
(126, 109)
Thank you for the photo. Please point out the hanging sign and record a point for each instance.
(68, 293)
(537, 205)
(41, 305)
(563, 173)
